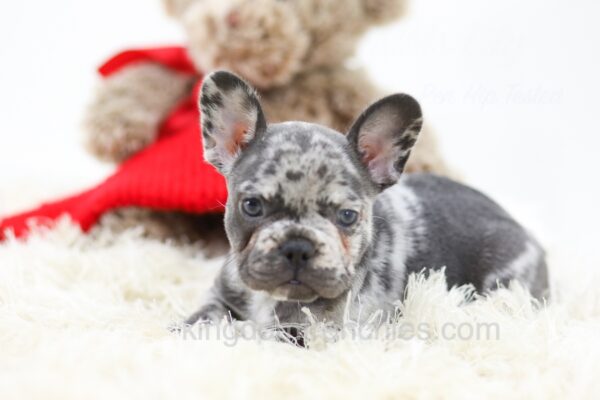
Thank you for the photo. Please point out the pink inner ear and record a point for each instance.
(378, 156)
(237, 138)
(370, 148)
(368, 155)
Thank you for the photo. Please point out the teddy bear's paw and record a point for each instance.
(176, 8)
(262, 40)
(382, 11)
(128, 107)
(115, 133)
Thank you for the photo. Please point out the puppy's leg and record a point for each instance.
(213, 310)
(512, 255)
(228, 298)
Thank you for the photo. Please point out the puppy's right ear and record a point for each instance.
(231, 117)
(384, 135)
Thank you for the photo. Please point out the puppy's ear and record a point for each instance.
(231, 117)
(384, 134)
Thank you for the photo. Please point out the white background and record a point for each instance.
(511, 88)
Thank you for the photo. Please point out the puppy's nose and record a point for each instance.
(298, 252)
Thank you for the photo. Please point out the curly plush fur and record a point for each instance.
(294, 52)
(127, 109)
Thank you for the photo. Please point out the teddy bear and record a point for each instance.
(296, 53)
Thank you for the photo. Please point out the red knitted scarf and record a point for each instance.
(170, 174)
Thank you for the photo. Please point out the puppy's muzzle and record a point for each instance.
(296, 268)
(298, 253)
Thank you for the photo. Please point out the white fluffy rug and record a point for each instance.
(87, 318)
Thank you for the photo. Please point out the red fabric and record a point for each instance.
(168, 175)
(175, 58)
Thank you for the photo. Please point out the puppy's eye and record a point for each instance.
(347, 217)
(252, 207)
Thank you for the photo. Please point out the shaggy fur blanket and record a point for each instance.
(88, 317)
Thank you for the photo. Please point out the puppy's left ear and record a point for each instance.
(384, 134)
(231, 117)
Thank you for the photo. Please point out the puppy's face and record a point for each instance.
(299, 212)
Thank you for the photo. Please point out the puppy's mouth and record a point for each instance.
(294, 290)
(281, 284)
(272, 273)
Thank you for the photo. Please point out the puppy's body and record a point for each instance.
(310, 224)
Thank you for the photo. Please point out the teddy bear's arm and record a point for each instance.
(128, 107)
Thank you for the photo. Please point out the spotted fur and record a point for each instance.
(231, 117)
(303, 174)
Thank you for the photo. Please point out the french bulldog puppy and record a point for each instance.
(316, 218)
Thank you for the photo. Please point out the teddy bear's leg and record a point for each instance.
(205, 231)
(124, 115)
(335, 97)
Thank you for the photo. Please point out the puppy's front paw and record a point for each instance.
(209, 314)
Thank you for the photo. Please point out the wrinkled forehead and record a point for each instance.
(302, 164)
